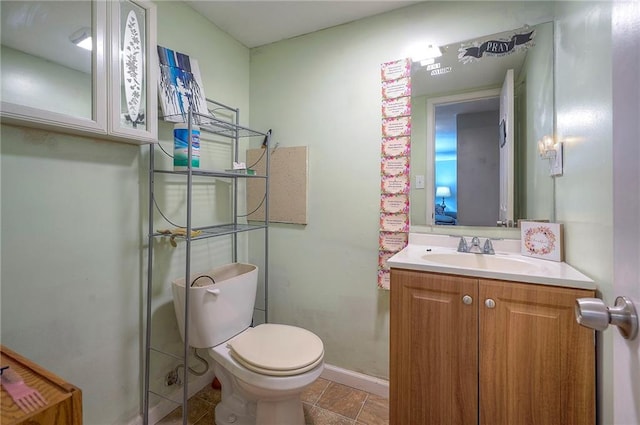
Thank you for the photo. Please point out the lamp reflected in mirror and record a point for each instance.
(443, 192)
(442, 217)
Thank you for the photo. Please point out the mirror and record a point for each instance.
(458, 129)
(80, 67)
(39, 56)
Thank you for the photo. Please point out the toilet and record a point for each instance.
(263, 369)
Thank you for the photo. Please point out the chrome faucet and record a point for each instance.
(475, 243)
(463, 246)
(488, 247)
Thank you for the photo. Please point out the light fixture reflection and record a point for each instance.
(425, 53)
(82, 38)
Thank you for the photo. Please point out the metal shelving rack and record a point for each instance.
(208, 124)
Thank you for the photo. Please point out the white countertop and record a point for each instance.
(542, 272)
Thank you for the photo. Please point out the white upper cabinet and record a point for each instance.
(49, 81)
(133, 68)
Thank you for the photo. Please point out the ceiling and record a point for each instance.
(42, 29)
(26, 24)
(256, 23)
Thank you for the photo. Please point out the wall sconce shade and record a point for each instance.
(551, 150)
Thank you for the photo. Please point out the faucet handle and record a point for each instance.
(488, 247)
(462, 245)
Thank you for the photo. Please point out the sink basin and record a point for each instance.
(437, 254)
(483, 262)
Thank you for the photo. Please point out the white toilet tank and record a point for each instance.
(220, 310)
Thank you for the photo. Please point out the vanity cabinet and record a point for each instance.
(478, 351)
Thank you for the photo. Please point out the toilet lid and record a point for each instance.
(273, 349)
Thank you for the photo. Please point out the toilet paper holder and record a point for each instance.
(593, 313)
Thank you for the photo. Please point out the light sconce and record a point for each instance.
(551, 149)
(82, 38)
(443, 192)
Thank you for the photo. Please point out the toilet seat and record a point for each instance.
(277, 350)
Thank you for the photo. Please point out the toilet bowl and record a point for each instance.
(264, 369)
(263, 386)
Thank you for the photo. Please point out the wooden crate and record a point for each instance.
(64, 401)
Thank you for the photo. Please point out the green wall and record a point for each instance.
(74, 234)
(74, 209)
(584, 193)
(26, 77)
(536, 189)
(322, 90)
(71, 263)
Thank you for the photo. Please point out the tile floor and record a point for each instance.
(325, 403)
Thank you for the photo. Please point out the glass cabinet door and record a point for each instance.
(52, 68)
(106, 88)
(133, 91)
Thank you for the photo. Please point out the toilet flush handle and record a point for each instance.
(214, 291)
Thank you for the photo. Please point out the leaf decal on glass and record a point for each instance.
(132, 67)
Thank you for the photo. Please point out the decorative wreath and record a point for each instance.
(547, 247)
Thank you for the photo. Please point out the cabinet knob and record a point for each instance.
(490, 303)
(467, 300)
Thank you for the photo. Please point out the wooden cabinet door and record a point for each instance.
(537, 365)
(434, 349)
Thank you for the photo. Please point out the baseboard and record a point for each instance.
(360, 381)
(164, 407)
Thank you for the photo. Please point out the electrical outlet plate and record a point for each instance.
(172, 378)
